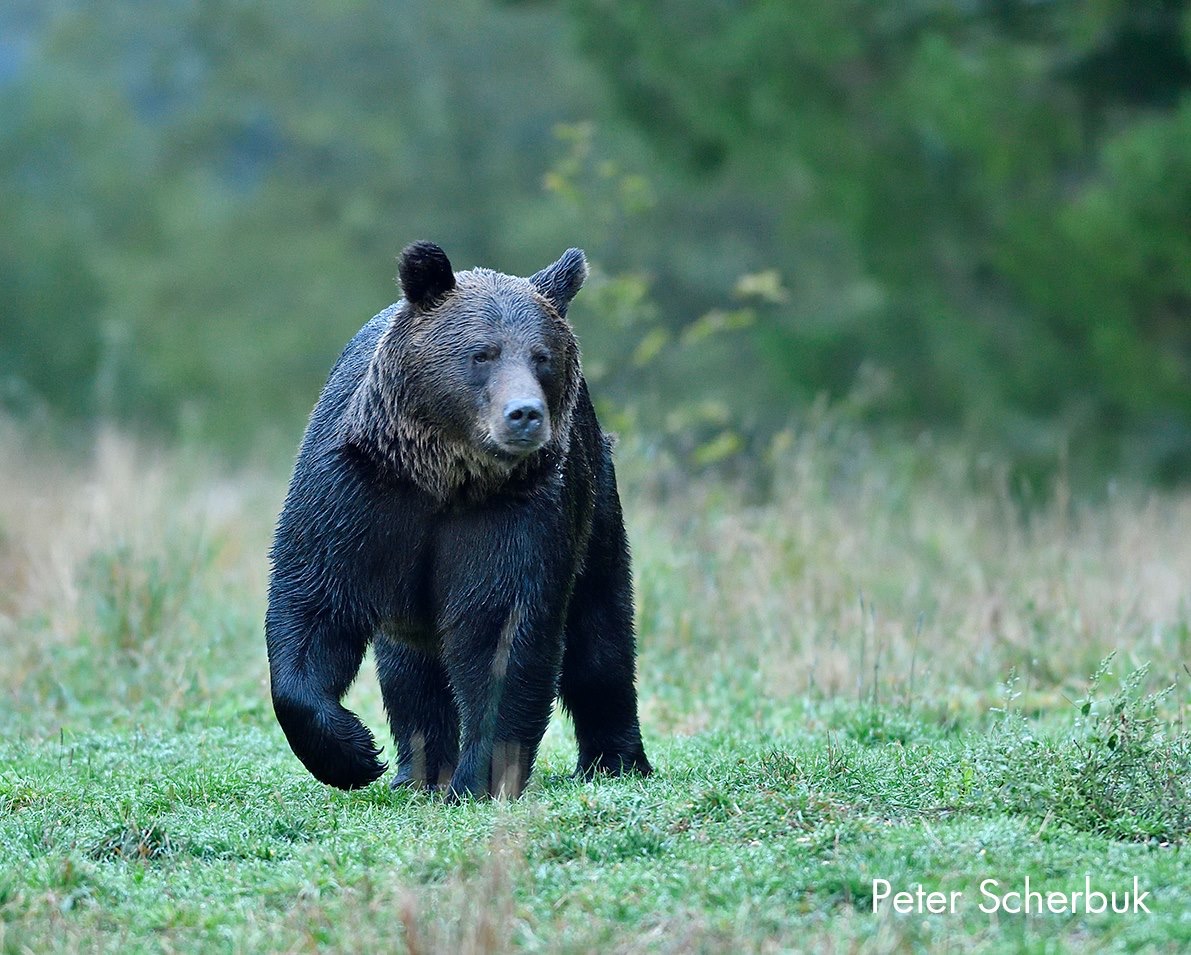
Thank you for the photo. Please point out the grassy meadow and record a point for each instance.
(884, 667)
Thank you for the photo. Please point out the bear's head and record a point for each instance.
(477, 374)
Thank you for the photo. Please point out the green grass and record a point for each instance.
(887, 671)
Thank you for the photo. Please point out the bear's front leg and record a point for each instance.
(504, 674)
(599, 668)
(312, 662)
(503, 582)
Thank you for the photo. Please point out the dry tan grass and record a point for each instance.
(136, 579)
(864, 575)
(862, 579)
(115, 565)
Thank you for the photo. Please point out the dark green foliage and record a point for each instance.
(981, 208)
(202, 199)
(972, 216)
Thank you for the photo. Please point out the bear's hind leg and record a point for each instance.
(422, 714)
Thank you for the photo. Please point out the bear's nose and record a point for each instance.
(523, 416)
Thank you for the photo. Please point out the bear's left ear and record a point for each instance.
(560, 281)
(425, 273)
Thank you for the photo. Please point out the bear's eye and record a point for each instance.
(485, 355)
(541, 359)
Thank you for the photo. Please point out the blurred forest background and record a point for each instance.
(967, 217)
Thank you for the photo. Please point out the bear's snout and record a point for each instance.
(524, 415)
(525, 425)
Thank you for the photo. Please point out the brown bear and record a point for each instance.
(454, 505)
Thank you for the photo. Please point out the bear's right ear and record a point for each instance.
(425, 273)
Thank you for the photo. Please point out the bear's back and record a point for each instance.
(345, 378)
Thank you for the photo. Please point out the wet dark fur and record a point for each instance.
(488, 582)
